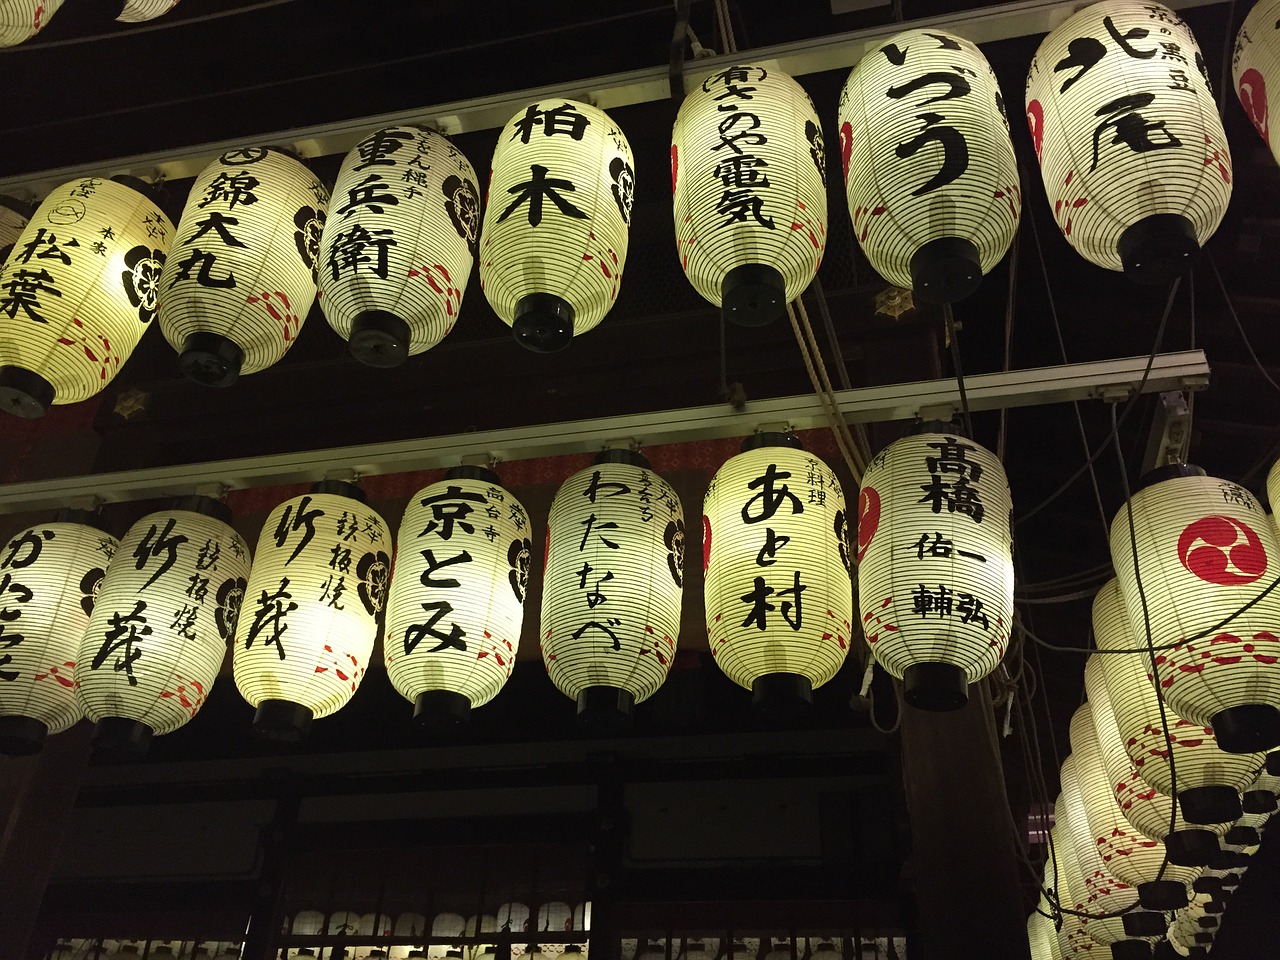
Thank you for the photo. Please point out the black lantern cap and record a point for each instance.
(1258, 801)
(946, 270)
(472, 471)
(1130, 950)
(205, 506)
(543, 322)
(21, 736)
(935, 686)
(1157, 248)
(781, 697)
(606, 709)
(1144, 923)
(1209, 804)
(118, 739)
(379, 339)
(1190, 848)
(88, 518)
(1162, 895)
(1273, 763)
(340, 488)
(1247, 728)
(211, 359)
(622, 455)
(771, 438)
(282, 721)
(753, 294)
(937, 426)
(1242, 836)
(441, 711)
(1169, 471)
(24, 393)
(1209, 885)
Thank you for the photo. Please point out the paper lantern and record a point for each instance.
(49, 577)
(14, 216)
(513, 917)
(396, 255)
(308, 923)
(312, 609)
(1208, 779)
(1060, 878)
(1071, 880)
(775, 559)
(1255, 66)
(556, 221)
(612, 586)
(22, 19)
(1206, 551)
(1041, 937)
(1133, 155)
(457, 600)
(1126, 854)
(930, 173)
(1095, 889)
(748, 174)
(582, 919)
(158, 633)
(77, 292)
(935, 564)
(138, 11)
(242, 273)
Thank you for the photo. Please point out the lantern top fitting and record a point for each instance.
(771, 438)
(753, 294)
(543, 322)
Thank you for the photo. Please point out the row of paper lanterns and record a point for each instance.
(1137, 182)
(20, 20)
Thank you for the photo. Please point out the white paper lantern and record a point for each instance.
(1071, 880)
(49, 578)
(748, 174)
(343, 923)
(241, 277)
(158, 634)
(1095, 890)
(1126, 854)
(457, 600)
(1255, 66)
(22, 19)
(930, 173)
(556, 221)
(396, 255)
(77, 292)
(1073, 941)
(1132, 152)
(14, 216)
(307, 923)
(513, 917)
(612, 585)
(582, 919)
(775, 556)
(1208, 779)
(935, 570)
(410, 925)
(1206, 551)
(139, 11)
(312, 609)
(1041, 937)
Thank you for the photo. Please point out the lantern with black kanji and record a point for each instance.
(313, 607)
(49, 577)
(748, 174)
(78, 292)
(775, 554)
(242, 274)
(1206, 553)
(394, 267)
(457, 599)
(1132, 152)
(556, 221)
(139, 11)
(158, 634)
(1255, 66)
(935, 568)
(930, 174)
(14, 216)
(612, 586)
(22, 19)
(1209, 780)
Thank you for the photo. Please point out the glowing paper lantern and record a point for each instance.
(556, 221)
(776, 560)
(1206, 551)
(513, 917)
(138, 11)
(22, 19)
(312, 608)
(1095, 890)
(77, 292)
(1133, 155)
(1059, 877)
(394, 262)
(1071, 879)
(748, 171)
(242, 274)
(1208, 779)
(930, 174)
(457, 601)
(158, 634)
(612, 585)
(1041, 937)
(935, 572)
(49, 578)
(14, 216)
(1255, 66)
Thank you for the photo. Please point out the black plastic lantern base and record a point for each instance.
(543, 322)
(1229, 860)
(211, 359)
(1249, 728)
(1258, 801)
(1214, 907)
(1164, 951)
(1211, 886)
(1230, 881)
(780, 697)
(622, 455)
(1190, 848)
(1203, 938)
(935, 686)
(379, 339)
(1162, 895)
(1273, 763)
(1207, 923)
(282, 720)
(946, 270)
(1242, 836)
(339, 488)
(118, 739)
(472, 471)
(205, 506)
(1131, 950)
(753, 295)
(1144, 923)
(21, 736)
(24, 393)
(770, 438)
(441, 711)
(606, 709)
(1169, 471)
(1209, 804)
(1157, 248)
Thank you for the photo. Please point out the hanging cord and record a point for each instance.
(1009, 304)
(724, 22)
(809, 343)
(1227, 41)
(859, 430)
(950, 321)
(1235, 318)
(836, 421)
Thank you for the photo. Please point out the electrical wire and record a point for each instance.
(950, 320)
(1010, 302)
(1235, 317)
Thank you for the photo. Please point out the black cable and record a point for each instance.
(675, 68)
(955, 362)
(1226, 297)
(829, 325)
(1228, 42)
